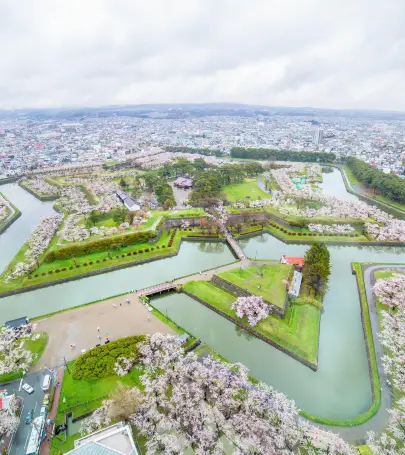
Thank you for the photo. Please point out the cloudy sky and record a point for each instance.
(320, 53)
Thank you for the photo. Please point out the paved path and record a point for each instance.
(379, 421)
(46, 446)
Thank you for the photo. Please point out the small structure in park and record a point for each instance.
(296, 261)
(114, 440)
(295, 285)
(184, 183)
(129, 203)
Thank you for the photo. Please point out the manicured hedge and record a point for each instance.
(81, 249)
(99, 362)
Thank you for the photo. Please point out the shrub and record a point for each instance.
(134, 252)
(64, 269)
(43, 273)
(98, 261)
(152, 249)
(293, 233)
(140, 251)
(158, 247)
(99, 362)
(71, 267)
(146, 250)
(57, 271)
(36, 275)
(122, 255)
(117, 257)
(85, 264)
(30, 277)
(50, 272)
(129, 254)
(91, 262)
(104, 259)
(104, 244)
(299, 233)
(78, 266)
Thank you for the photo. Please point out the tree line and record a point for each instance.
(208, 184)
(388, 185)
(200, 150)
(282, 155)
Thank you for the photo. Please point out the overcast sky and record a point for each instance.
(320, 53)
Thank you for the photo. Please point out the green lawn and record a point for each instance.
(36, 347)
(247, 190)
(81, 397)
(268, 281)
(297, 332)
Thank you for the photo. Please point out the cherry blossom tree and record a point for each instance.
(13, 356)
(8, 423)
(391, 291)
(253, 307)
(204, 403)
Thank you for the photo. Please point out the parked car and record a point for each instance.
(46, 400)
(44, 411)
(29, 417)
(27, 388)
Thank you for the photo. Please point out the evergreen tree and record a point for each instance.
(316, 268)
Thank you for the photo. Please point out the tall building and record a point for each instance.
(318, 136)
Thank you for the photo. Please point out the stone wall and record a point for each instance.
(240, 292)
(253, 332)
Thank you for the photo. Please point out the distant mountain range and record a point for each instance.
(195, 110)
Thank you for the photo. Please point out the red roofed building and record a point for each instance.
(298, 262)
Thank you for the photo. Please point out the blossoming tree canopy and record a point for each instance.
(253, 307)
(391, 291)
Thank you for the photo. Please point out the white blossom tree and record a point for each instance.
(391, 291)
(204, 403)
(8, 423)
(253, 307)
(13, 356)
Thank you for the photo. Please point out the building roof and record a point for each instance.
(113, 440)
(292, 260)
(16, 322)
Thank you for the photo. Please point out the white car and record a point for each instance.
(27, 388)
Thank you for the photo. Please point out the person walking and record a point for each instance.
(98, 329)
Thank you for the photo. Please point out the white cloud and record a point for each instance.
(346, 54)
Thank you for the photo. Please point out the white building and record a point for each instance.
(114, 440)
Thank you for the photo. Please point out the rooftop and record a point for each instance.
(113, 440)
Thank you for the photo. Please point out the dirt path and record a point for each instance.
(79, 327)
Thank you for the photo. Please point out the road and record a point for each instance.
(31, 401)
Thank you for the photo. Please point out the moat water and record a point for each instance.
(340, 389)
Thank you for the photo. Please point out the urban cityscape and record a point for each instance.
(28, 144)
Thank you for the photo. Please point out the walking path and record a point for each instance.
(46, 444)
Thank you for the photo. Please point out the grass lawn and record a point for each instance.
(297, 332)
(81, 397)
(247, 189)
(270, 278)
(37, 347)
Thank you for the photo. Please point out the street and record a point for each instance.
(31, 401)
